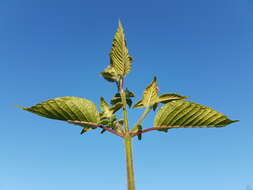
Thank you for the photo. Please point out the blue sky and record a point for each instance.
(201, 49)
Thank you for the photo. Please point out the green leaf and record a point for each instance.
(139, 130)
(188, 114)
(103, 105)
(85, 129)
(117, 99)
(149, 97)
(165, 98)
(110, 74)
(67, 108)
(119, 58)
(129, 94)
(107, 112)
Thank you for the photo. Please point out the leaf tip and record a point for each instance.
(17, 106)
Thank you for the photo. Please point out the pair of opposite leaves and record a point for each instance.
(175, 113)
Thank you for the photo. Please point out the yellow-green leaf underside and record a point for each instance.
(149, 97)
(66, 108)
(188, 114)
(119, 58)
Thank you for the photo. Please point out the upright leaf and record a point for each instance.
(119, 58)
(66, 108)
(188, 114)
(108, 111)
(150, 95)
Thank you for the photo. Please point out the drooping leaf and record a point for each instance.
(119, 58)
(139, 130)
(188, 114)
(149, 97)
(67, 108)
(85, 129)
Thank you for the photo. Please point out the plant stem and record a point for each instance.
(129, 162)
(144, 114)
(127, 140)
(123, 98)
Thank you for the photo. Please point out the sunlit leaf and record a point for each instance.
(188, 114)
(119, 58)
(149, 97)
(110, 74)
(165, 98)
(66, 108)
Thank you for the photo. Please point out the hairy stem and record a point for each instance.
(129, 162)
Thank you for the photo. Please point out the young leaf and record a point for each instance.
(165, 98)
(107, 112)
(149, 97)
(188, 114)
(117, 99)
(67, 108)
(139, 130)
(110, 74)
(119, 58)
(85, 129)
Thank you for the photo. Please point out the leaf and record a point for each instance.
(149, 97)
(66, 108)
(107, 111)
(188, 114)
(129, 94)
(110, 74)
(117, 99)
(85, 129)
(165, 98)
(119, 58)
(116, 107)
(139, 130)
(103, 105)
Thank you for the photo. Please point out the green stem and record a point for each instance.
(123, 98)
(129, 162)
(144, 114)
(127, 140)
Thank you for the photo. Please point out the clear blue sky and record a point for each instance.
(53, 48)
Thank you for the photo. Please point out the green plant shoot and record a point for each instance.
(173, 110)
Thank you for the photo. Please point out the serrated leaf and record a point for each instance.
(188, 114)
(119, 58)
(149, 97)
(67, 108)
(165, 98)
